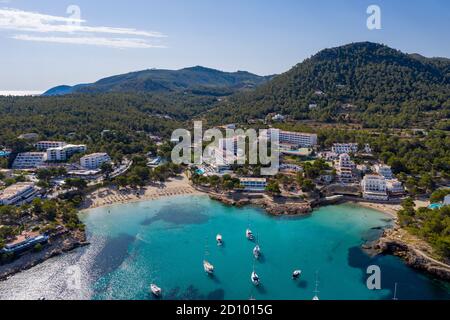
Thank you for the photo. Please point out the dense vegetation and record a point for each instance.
(431, 225)
(363, 83)
(41, 215)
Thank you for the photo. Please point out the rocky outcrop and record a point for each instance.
(390, 243)
(290, 209)
(273, 207)
(54, 248)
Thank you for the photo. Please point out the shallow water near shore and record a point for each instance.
(165, 242)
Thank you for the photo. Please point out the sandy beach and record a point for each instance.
(389, 209)
(105, 197)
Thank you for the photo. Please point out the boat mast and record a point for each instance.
(316, 290)
(395, 292)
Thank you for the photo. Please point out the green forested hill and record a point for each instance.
(196, 80)
(361, 82)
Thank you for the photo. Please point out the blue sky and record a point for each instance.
(39, 51)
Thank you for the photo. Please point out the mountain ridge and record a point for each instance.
(371, 79)
(195, 79)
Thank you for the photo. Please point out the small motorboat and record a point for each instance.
(209, 268)
(257, 252)
(219, 240)
(255, 279)
(155, 290)
(249, 234)
(296, 274)
(316, 298)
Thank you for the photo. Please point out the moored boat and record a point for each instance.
(249, 234)
(157, 291)
(208, 267)
(219, 240)
(257, 252)
(296, 274)
(255, 279)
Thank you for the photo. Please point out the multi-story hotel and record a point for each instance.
(29, 160)
(95, 160)
(395, 187)
(341, 148)
(384, 171)
(345, 169)
(374, 187)
(18, 193)
(254, 184)
(298, 139)
(64, 152)
(44, 145)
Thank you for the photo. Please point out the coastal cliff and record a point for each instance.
(415, 255)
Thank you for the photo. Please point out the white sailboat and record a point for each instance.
(296, 274)
(208, 267)
(255, 279)
(257, 252)
(157, 291)
(219, 240)
(249, 234)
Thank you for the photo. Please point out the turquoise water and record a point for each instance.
(165, 242)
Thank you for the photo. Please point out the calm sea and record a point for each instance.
(166, 241)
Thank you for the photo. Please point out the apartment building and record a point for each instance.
(374, 187)
(298, 139)
(44, 145)
(18, 193)
(95, 160)
(29, 160)
(341, 148)
(345, 169)
(65, 152)
(254, 184)
(395, 187)
(384, 171)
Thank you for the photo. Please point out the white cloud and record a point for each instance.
(69, 30)
(18, 20)
(120, 43)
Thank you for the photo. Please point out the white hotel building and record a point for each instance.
(341, 148)
(374, 187)
(384, 171)
(64, 152)
(29, 160)
(44, 145)
(18, 193)
(345, 169)
(254, 184)
(95, 160)
(298, 139)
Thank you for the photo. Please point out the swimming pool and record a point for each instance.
(435, 206)
(200, 172)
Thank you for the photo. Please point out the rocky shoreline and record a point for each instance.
(415, 256)
(273, 206)
(55, 247)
